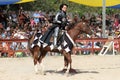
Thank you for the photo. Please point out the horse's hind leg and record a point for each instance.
(36, 64)
(42, 55)
(35, 58)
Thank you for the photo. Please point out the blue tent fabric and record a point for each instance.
(115, 6)
(7, 2)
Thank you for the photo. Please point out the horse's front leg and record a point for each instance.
(68, 62)
(64, 68)
(65, 64)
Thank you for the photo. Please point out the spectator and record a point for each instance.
(3, 19)
(36, 17)
(75, 19)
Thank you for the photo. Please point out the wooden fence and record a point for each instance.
(84, 42)
(92, 48)
(11, 46)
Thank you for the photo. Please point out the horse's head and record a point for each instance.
(79, 28)
(84, 27)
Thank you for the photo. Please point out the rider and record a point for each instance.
(59, 22)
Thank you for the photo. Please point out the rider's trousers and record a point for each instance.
(56, 31)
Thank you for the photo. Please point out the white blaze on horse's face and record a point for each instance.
(83, 22)
(86, 28)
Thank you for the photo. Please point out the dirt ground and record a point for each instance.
(88, 67)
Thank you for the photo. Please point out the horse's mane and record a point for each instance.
(72, 25)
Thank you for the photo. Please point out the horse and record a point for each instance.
(39, 52)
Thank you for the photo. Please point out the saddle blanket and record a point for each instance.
(65, 42)
(36, 40)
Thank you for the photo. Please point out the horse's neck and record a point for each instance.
(73, 33)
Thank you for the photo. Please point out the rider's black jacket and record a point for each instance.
(61, 19)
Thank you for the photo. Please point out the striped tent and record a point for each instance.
(115, 6)
(25, 1)
(97, 3)
(7, 2)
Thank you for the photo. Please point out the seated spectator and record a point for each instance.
(36, 16)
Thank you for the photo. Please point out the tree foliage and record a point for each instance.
(53, 5)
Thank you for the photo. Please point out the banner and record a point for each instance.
(25, 1)
(7, 2)
(97, 3)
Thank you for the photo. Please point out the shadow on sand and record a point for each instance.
(72, 71)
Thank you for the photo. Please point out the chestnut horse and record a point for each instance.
(39, 52)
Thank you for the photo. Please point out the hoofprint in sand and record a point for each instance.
(88, 68)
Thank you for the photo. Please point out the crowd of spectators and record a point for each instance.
(95, 23)
(22, 24)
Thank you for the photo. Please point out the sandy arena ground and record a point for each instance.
(88, 67)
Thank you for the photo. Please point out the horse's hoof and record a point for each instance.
(64, 70)
(36, 72)
(43, 73)
(72, 71)
(59, 70)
